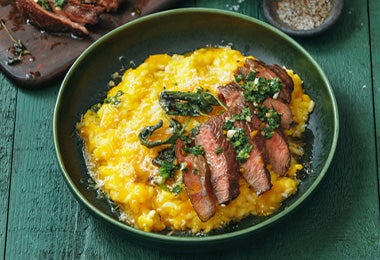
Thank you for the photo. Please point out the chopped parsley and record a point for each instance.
(114, 100)
(195, 150)
(59, 3)
(44, 4)
(245, 114)
(256, 90)
(238, 139)
(269, 116)
(219, 150)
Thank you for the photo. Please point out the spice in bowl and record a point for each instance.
(305, 14)
(302, 17)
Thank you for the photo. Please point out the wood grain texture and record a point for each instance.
(8, 96)
(39, 69)
(374, 9)
(340, 220)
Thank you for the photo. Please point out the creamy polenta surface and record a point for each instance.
(122, 167)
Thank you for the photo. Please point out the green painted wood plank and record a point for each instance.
(7, 116)
(351, 184)
(339, 221)
(374, 10)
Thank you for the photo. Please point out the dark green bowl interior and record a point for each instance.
(181, 31)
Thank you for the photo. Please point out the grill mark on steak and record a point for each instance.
(223, 165)
(196, 179)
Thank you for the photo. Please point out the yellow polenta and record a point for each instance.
(122, 167)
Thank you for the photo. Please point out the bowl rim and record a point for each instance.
(191, 240)
(331, 19)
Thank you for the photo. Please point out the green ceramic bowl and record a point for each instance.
(181, 31)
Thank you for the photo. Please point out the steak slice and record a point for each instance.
(82, 13)
(281, 108)
(49, 21)
(253, 170)
(230, 94)
(196, 177)
(287, 82)
(221, 158)
(270, 72)
(278, 153)
(261, 69)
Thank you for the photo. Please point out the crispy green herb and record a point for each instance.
(168, 164)
(18, 47)
(188, 103)
(148, 131)
(166, 160)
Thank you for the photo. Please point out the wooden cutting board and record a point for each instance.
(52, 54)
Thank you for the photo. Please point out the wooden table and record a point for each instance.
(40, 218)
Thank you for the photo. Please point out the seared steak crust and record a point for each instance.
(49, 21)
(73, 17)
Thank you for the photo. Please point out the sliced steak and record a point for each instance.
(281, 108)
(278, 153)
(49, 20)
(287, 82)
(261, 69)
(271, 72)
(196, 178)
(221, 158)
(253, 170)
(230, 93)
(82, 13)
